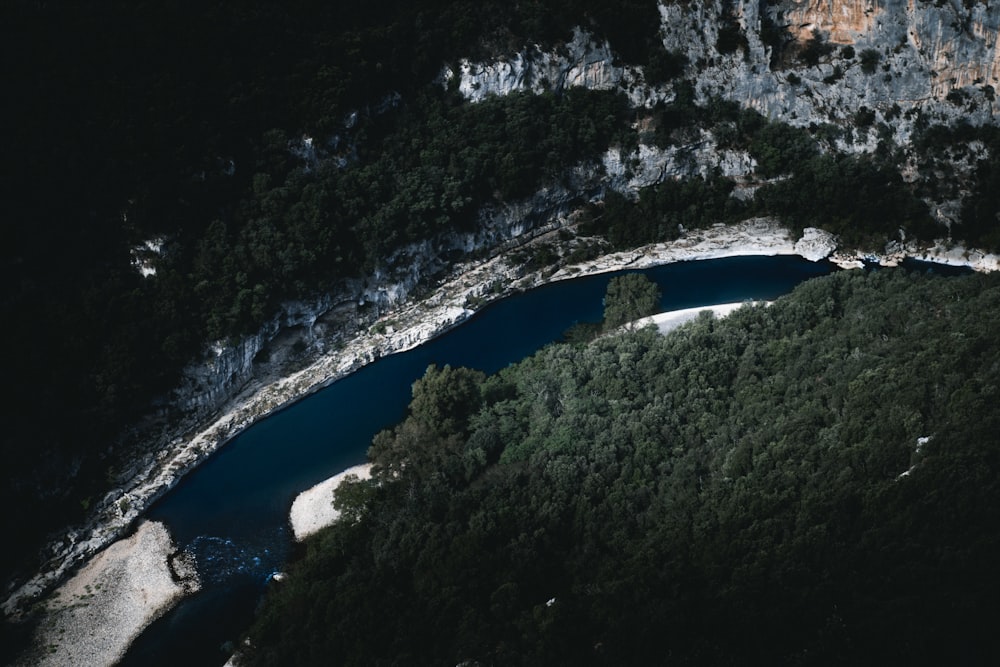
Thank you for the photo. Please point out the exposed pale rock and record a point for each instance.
(94, 617)
(649, 165)
(313, 509)
(843, 21)
(757, 236)
(926, 51)
(672, 319)
(311, 343)
(581, 62)
(815, 244)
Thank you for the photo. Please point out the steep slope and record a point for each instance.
(276, 247)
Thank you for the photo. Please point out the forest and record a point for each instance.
(184, 121)
(810, 483)
(177, 121)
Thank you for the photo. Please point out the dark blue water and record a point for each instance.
(232, 511)
(936, 268)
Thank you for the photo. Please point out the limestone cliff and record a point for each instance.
(924, 52)
(906, 59)
(306, 328)
(843, 21)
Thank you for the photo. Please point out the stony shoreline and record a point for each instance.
(415, 322)
(312, 510)
(412, 323)
(95, 616)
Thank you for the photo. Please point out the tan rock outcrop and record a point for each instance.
(841, 21)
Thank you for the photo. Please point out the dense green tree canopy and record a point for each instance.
(814, 482)
(629, 298)
(186, 121)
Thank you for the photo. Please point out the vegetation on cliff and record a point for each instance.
(187, 123)
(814, 482)
(276, 149)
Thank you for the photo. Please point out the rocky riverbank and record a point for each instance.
(414, 322)
(94, 617)
(312, 510)
(402, 327)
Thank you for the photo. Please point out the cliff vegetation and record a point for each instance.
(176, 172)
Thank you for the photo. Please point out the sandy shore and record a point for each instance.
(406, 326)
(313, 510)
(671, 319)
(94, 617)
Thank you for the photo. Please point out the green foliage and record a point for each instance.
(780, 149)
(662, 210)
(814, 482)
(858, 198)
(188, 139)
(664, 65)
(352, 497)
(864, 117)
(430, 439)
(682, 112)
(869, 60)
(773, 34)
(629, 298)
(815, 48)
(730, 37)
(979, 225)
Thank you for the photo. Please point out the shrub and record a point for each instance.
(869, 60)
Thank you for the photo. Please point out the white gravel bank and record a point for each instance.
(94, 617)
(313, 510)
(671, 319)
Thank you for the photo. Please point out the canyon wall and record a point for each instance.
(923, 53)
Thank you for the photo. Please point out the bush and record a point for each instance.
(814, 49)
(869, 60)
(629, 298)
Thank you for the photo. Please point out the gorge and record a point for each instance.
(934, 66)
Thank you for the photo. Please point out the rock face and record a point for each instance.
(238, 383)
(582, 62)
(843, 20)
(316, 325)
(815, 244)
(909, 58)
(924, 52)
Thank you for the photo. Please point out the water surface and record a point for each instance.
(232, 511)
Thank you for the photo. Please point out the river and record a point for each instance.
(232, 511)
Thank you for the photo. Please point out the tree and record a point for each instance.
(628, 298)
(869, 60)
